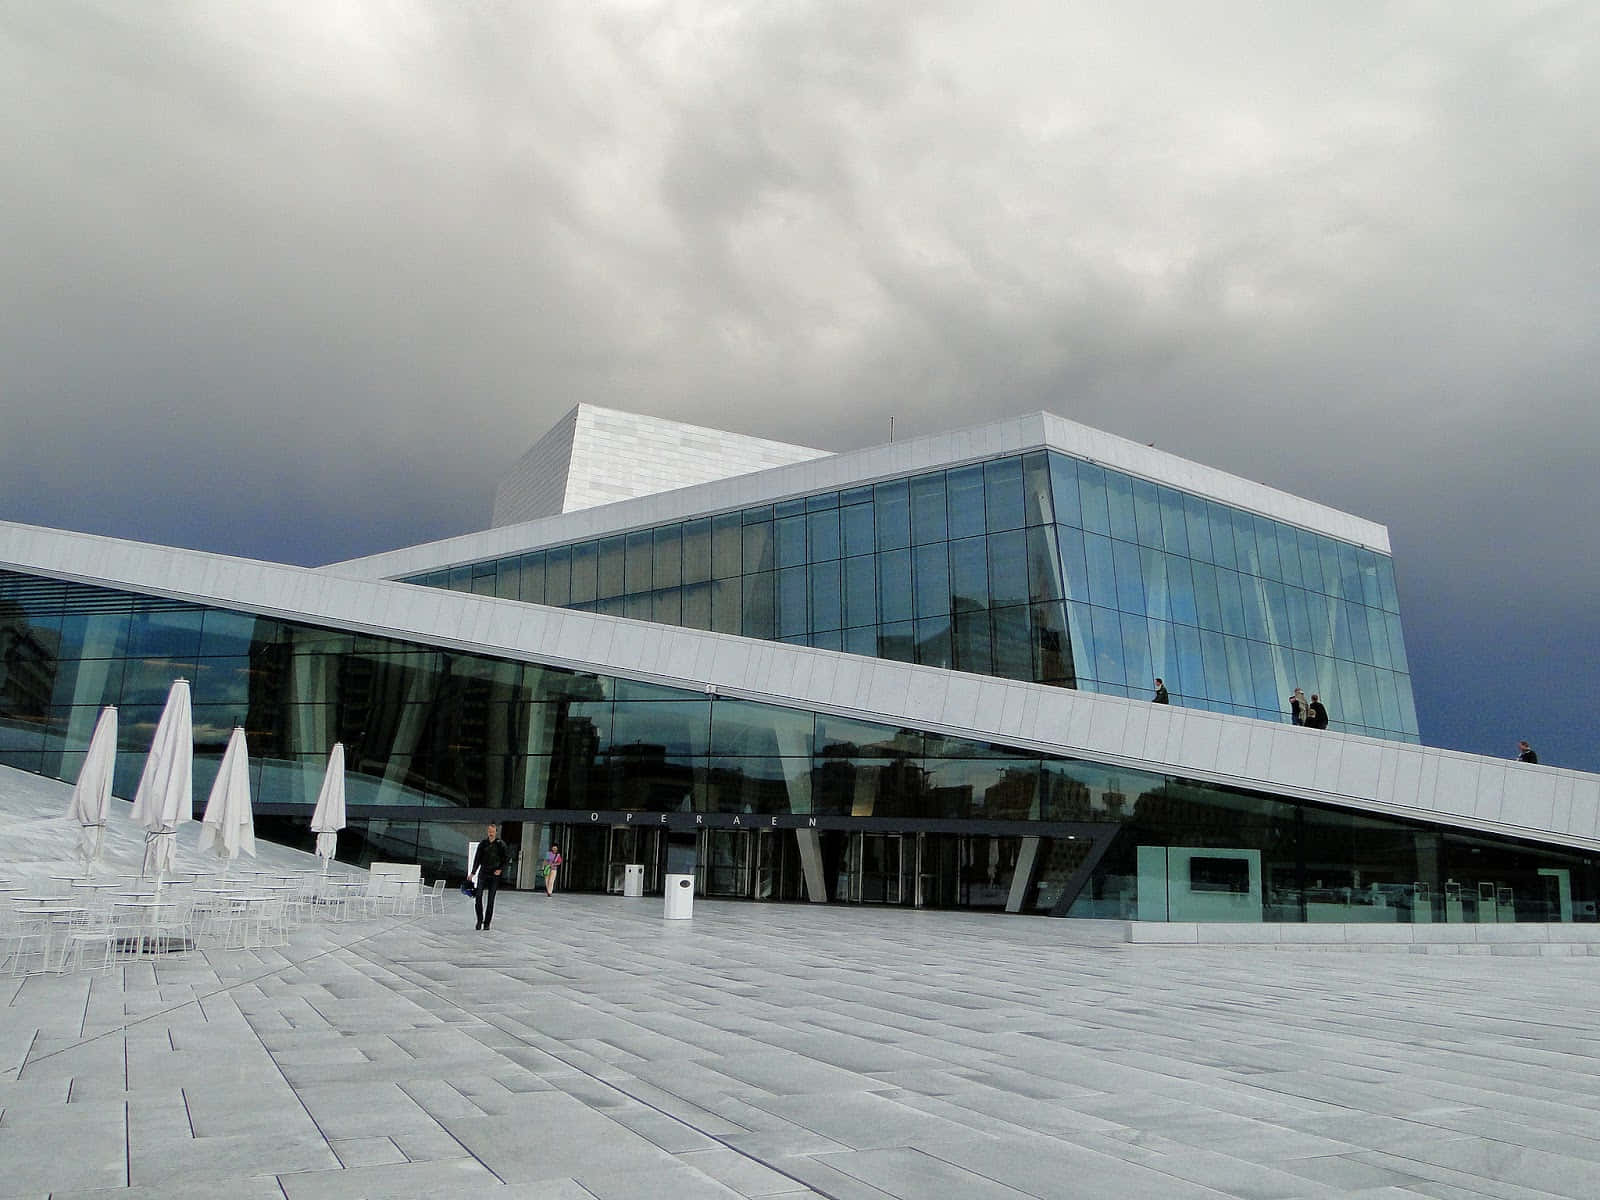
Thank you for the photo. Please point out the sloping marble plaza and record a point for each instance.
(585, 1048)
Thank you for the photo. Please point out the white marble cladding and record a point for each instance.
(537, 485)
(1014, 436)
(1465, 790)
(606, 456)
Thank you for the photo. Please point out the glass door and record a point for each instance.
(769, 861)
(724, 862)
(583, 850)
(631, 844)
(938, 856)
(878, 874)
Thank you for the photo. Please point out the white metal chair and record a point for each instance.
(96, 943)
(227, 921)
(378, 898)
(432, 900)
(300, 905)
(25, 941)
(175, 923)
(264, 922)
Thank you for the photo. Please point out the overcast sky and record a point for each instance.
(299, 280)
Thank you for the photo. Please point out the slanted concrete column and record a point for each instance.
(795, 748)
(810, 845)
(1022, 874)
(529, 853)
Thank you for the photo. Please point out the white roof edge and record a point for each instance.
(1469, 791)
(851, 468)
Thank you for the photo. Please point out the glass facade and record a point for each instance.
(1038, 567)
(436, 741)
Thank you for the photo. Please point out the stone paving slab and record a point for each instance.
(583, 1049)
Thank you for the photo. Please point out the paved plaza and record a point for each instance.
(586, 1048)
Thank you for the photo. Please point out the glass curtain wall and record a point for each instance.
(1038, 567)
(957, 569)
(1233, 611)
(430, 733)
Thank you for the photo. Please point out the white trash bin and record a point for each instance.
(633, 880)
(680, 898)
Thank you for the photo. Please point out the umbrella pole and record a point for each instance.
(155, 912)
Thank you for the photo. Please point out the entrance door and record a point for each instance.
(584, 849)
(878, 869)
(633, 844)
(769, 864)
(725, 867)
(938, 869)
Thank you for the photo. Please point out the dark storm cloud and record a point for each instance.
(299, 280)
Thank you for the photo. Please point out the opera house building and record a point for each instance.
(920, 674)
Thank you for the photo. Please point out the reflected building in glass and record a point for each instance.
(916, 674)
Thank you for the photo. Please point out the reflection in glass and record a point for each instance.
(928, 509)
(858, 528)
(697, 550)
(892, 513)
(1002, 494)
(726, 538)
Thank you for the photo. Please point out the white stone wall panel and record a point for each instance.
(596, 456)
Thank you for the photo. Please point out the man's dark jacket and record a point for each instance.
(491, 857)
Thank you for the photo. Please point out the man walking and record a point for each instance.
(1525, 753)
(1161, 693)
(487, 864)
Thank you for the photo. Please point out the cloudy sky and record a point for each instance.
(299, 280)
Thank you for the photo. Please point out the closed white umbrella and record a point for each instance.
(229, 826)
(91, 795)
(165, 798)
(328, 817)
